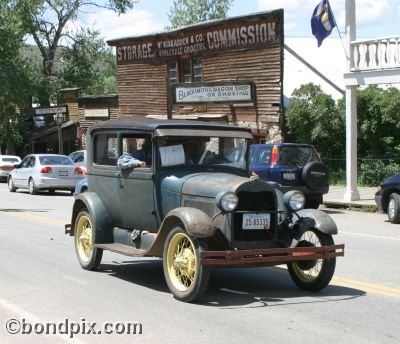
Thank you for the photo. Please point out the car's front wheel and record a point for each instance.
(313, 275)
(393, 209)
(11, 186)
(186, 278)
(88, 255)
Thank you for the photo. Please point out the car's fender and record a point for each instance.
(197, 223)
(323, 222)
(101, 219)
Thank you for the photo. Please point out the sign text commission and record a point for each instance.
(251, 35)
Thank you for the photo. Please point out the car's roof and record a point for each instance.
(282, 145)
(47, 155)
(153, 124)
(10, 156)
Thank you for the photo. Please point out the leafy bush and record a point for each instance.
(373, 172)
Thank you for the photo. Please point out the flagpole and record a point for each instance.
(340, 36)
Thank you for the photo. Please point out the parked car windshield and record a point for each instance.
(202, 151)
(55, 160)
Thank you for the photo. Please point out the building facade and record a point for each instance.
(229, 71)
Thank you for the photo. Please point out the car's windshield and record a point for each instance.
(202, 151)
(55, 160)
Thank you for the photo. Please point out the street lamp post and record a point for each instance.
(59, 117)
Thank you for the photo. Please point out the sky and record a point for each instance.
(374, 18)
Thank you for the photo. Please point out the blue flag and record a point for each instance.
(322, 21)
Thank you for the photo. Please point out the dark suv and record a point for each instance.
(193, 204)
(294, 167)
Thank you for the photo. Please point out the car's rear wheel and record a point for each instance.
(313, 275)
(393, 209)
(32, 188)
(88, 255)
(186, 278)
(11, 186)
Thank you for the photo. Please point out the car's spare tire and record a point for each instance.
(315, 175)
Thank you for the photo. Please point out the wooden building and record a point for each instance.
(227, 70)
(79, 112)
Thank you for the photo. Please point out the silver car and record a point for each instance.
(7, 164)
(79, 159)
(50, 172)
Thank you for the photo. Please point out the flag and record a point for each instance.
(80, 133)
(322, 21)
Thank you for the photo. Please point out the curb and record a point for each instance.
(361, 206)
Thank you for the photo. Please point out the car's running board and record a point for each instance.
(122, 249)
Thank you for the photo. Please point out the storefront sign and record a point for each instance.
(50, 110)
(250, 32)
(226, 92)
(98, 113)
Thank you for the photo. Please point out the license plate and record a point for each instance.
(63, 173)
(288, 176)
(256, 221)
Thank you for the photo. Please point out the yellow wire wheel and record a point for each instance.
(186, 277)
(89, 257)
(313, 275)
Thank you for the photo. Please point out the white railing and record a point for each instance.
(375, 54)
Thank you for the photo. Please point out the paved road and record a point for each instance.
(41, 281)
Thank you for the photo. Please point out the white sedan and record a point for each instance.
(50, 172)
(7, 164)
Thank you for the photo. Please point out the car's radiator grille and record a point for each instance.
(254, 202)
(204, 204)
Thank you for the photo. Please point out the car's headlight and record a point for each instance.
(227, 201)
(294, 200)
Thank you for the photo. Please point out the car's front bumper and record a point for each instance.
(270, 256)
(4, 174)
(378, 200)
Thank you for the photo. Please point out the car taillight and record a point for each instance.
(80, 170)
(274, 155)
(46, 169)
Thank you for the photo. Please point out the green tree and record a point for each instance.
(79, 70)
(15, 76)
(46, 21)
(186, 12)
(379, 120)
(314, 117)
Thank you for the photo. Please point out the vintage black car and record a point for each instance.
(175, 192)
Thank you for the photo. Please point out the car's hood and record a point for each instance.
(392, 180)
(207, 184)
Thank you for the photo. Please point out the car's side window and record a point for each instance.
(139, 147)
(78, 158)
(105, 149)
(24, 163)
(264, 156)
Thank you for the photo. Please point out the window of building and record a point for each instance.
(185, 71)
